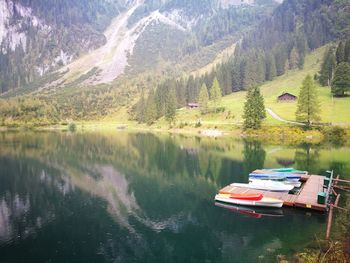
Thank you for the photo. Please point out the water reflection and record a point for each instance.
(120, 197)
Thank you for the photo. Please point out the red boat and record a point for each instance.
(250, 197)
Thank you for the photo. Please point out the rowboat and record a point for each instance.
(266, 185)
(286, 170)
(264, 202)
(286, 182)
(275, 176)
(250, 197)
(257, 212)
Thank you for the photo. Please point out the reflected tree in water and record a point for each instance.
(254, 156)
(307, 158)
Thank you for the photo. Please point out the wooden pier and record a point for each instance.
(305, 198)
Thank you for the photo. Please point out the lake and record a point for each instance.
(133, 197)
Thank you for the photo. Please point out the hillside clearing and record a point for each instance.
(333, 110)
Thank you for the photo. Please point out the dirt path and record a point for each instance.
(276, 117)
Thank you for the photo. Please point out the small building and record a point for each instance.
(286, 97)
(193, 105)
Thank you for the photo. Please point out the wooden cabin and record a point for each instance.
(193, 105)
(287, 97)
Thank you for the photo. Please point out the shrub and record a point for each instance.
(72, 127)
(334, 134)
(198, 124)
(220, 109)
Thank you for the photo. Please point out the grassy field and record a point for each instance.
(333, 110)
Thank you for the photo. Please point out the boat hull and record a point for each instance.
(275, 176)
(250, 197)
(266, 187)
(264, 202)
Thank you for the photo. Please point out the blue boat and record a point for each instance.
(275, 176)
(285, 170)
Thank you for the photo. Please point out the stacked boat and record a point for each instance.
(273, 180)
(248, 200)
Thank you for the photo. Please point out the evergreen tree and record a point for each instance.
(170, 106)
(281, 58)
(270, 67)
(340, 53)
(151, 109)
(294, 59)
(254, 109)
(347, 51)
(327, 68)
(203, 99)
(308, 105)
(341, 81)
(215, 92)
(140, 108)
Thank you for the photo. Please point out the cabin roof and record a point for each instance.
(287, 94)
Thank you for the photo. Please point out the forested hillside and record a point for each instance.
(156, 38)
(277, 45)
(39, 37)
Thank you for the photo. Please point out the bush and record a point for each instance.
(183, 125)
(72, 127)
(198, 124)
(220, 109)
(334, 134)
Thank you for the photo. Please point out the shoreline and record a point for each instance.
(269, 133)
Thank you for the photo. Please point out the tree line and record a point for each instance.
(335, 69)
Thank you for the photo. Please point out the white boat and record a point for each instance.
(266, 185)
(264, 202)
(285, 182)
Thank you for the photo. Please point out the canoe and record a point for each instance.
(264, 202)
(286, 182)
(266, 185)
(251, 197)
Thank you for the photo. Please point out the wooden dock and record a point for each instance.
(305, 198)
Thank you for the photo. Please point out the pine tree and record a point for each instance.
(150, 109)
(327, 68)
(254, 109)
(294, 59)
(341, 81)
(347, 51)
(270, 67)
(215, 92)
(308, 105)
(170, 106)
(140, 108)
(203, 99)
(340, 53)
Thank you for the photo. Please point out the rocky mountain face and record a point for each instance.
(111, 37)
(39, 36)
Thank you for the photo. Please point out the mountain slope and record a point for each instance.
(39, 36)
(47, 35)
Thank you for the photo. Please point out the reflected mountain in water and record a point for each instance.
(124, 197)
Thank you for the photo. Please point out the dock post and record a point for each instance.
(330, 217)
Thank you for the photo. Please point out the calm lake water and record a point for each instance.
(126, 197)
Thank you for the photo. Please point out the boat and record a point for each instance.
(251, 197)
(276, 176)
(286, 182)
(266, 185)
(256, 212)
(264, 202)
(287, 170)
